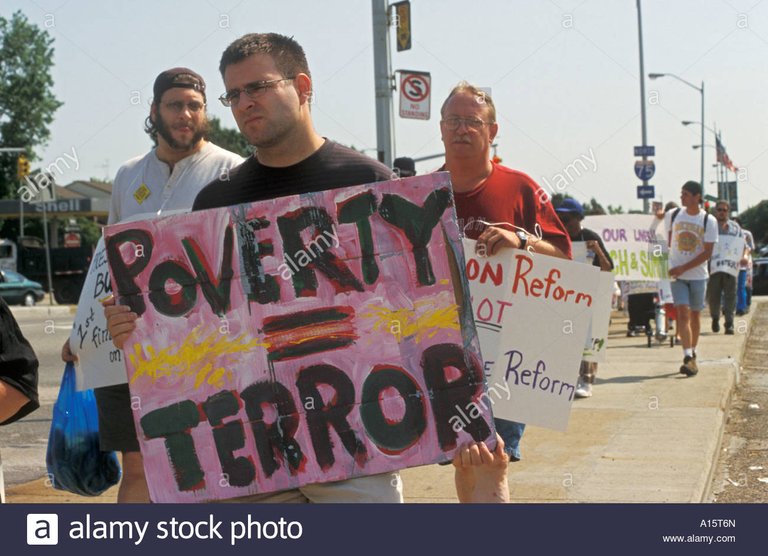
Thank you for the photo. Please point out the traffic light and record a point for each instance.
(23, 167)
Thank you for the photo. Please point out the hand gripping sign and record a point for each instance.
(299, 340)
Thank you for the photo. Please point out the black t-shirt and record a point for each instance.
(330, 167)
(18, 362)
(588, 235)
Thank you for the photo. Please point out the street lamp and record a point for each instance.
(701, 90)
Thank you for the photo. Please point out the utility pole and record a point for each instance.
(383, 81)
(642, 95)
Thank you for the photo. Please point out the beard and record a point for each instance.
(198, 133)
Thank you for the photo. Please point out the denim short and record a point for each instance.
(689, 292)
(511, 432)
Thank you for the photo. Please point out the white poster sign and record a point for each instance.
(532, 314)
(597, 338)
(99, 362)
(726, 255)
(638, 253)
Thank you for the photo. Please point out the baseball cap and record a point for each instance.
(183, 78)
(406, 166)
(572, 206)
(692, 187)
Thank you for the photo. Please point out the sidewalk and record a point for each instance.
(648, 434)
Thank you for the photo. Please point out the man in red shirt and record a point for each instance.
(488, 192)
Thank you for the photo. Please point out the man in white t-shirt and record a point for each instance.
(692, 235)
(166, 179)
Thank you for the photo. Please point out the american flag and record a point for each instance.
(723, 158)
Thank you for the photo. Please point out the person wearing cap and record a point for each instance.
(692, 235)
(571, 213)
(165, 180)
(404, 166)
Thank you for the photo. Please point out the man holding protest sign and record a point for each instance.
(692, 236)
(724, 268)
(269, 89)
(488, 193)
(164, 180)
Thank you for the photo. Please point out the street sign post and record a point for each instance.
(645, 169)
(645, 150)
(414, 94)
(646, 191)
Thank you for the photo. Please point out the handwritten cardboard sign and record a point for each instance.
(597, 338)
(99, 363)
(726, 255)
(532, 314)
(299, 340)
(638, 252)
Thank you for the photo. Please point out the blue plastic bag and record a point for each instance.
(75, 462)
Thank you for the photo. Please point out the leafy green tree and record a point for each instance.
(593, 208)
(755, 219)
(229, 139)
(27, 102)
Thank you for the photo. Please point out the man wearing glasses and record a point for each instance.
(166, 179)
(692, 235)
(722, 285)
(269, 89)
(485, 191)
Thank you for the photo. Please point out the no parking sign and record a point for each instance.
(415, 92)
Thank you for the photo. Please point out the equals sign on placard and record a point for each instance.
(306, 332)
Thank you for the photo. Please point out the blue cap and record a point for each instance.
(571, 205)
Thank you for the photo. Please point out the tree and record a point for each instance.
(593, 208)
(229, 139)
(755, 219)
(27, 102)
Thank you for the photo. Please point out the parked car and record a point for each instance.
(760, 276)
(16, 288)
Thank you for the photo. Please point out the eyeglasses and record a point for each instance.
(252, 91)
(177, 106)
(721, 209)
(473, 123)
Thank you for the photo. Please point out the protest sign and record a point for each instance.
(99, 363)
(638, 252)
(580, 253)
(726, 255)
(597, 338)
(532, 314)
(304, 339)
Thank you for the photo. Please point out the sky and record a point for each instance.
(564, 76)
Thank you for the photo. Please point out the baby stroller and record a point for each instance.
(643, 309)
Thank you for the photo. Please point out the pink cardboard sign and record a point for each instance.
(299, 340)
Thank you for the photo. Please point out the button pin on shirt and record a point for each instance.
(142, 193)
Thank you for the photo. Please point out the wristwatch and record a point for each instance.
(523, 237)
